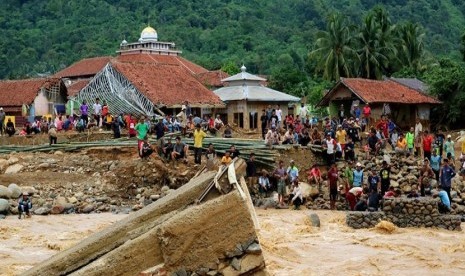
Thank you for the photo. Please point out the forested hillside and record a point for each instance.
(44, 36)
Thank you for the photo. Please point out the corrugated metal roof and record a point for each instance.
(243, 76)
(413, 83)
(253, 93)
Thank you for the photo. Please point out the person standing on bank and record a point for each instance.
(447, 173)
(199, 135)
(97, 112)
(264, 121)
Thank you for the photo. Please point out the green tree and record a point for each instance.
(376, 44)
(412, 52)
(230, 67)
(335, 53)
(446, 80)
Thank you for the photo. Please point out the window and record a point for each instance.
(239, 119)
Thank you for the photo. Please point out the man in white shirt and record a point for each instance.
(303, 111)
(97, 111)
(218, 122)
(279, 113)
(418, 127)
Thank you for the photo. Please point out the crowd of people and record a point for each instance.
(346, 139)
(341, 138)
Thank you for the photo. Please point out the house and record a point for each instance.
(31, 98)
(405, 103)
(246, 97)
(147, 77)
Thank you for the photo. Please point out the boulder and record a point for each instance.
(42, 211)
(4, 206)
(394, 184)
(59, 200)
(314, 219)
(254, 248)
(3, 164)
(305, 188)
(57, 209)
(15, 190)
(13, 160)
(29, 189)
(5, 192)
(72, 200)
(88, 208)
(251, 262)
(16, 168)
(154, 197)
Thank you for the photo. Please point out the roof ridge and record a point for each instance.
(187, 67)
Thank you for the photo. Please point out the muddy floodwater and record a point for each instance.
(291, 245)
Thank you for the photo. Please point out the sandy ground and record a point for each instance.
(291, 245)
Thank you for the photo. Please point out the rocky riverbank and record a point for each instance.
(91, 181)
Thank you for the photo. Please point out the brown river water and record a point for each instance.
(291, 245)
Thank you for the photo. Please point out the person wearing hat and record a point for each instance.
(24, 205)
(199, 135)
(450, 150)
(2, 121)
(358, 175)
(182, 117)
(263, 183)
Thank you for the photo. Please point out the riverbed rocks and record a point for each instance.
(108, 179)
(4, 206)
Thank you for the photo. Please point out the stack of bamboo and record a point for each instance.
(264, 156)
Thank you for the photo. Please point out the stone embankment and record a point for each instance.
(403, 212)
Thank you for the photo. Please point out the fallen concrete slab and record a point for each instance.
(174, 234)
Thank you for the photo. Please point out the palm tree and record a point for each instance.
(412, 47)
(375, 42)
(334, 51)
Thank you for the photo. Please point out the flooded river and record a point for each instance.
(291, 245)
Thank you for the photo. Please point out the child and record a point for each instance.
(226, 160)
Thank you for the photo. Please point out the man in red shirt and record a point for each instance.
(427, 143)
(367, 115)
(332, 177)
(383, 125)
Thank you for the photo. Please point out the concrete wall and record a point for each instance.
(245, 107)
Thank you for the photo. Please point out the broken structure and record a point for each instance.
(206, 226)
